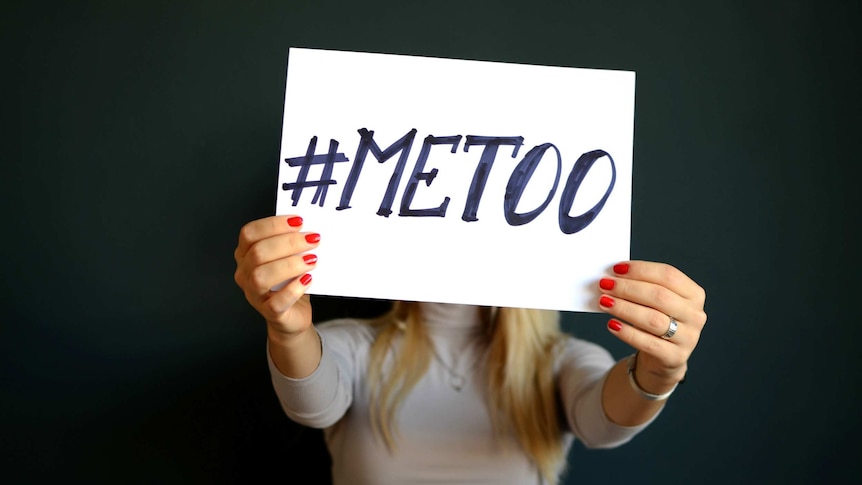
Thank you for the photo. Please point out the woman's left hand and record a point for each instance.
(653, 298)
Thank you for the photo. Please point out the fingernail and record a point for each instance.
(312, 238)
(615, 325)
(607, 284)
(309, 259)
(621, 268)
(306, 279)
(606, 301)
(294, 221)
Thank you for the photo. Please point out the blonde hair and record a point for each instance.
(522, 396)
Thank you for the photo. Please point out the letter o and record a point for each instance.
(569, 224)
(518, 182)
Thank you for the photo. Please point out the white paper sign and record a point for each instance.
(458, 181)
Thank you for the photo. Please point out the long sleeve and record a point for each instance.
(583, 367)
(322, 398)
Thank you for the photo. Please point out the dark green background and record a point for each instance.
(137, 140)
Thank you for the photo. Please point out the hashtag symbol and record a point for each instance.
(304, 163)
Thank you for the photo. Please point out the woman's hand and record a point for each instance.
(648, 296)
(272, 267)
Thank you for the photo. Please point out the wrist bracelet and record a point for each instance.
(646, 395)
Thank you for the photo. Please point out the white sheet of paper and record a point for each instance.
(332, 95)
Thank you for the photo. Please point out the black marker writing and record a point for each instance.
(418, 175)
(569, 224)
(486, 161)
(366, 143)
(520, 177)
(518, 182)
(307, 161)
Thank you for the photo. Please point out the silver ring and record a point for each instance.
(671, 329)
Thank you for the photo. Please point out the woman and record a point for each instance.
(437, 393)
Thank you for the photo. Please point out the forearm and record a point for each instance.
(624, 405)
(312, 374)
(295, 356)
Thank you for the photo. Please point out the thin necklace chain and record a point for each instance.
(457, 380)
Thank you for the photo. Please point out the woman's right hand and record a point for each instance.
(272, 265)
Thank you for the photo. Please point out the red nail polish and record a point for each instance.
(309, 259)
(294, 221)
(607, 284)
(621, 268)
(615, 325)
(312, 238)
(306, 279)
(606, 301)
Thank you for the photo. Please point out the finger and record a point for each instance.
(661, 274)
(670, 355)
(651, 295)
(649, 320)
(265, 228)
(262, 279)
(279, 247)
(284, 299)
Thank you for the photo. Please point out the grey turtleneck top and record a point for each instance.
(444, 435)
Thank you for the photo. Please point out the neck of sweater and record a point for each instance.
(453, 329)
